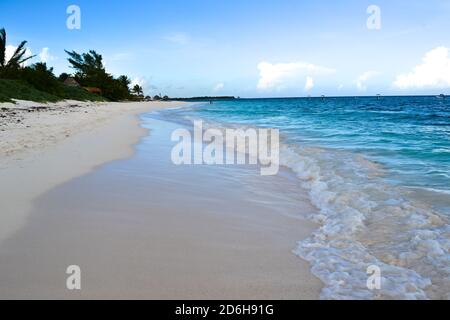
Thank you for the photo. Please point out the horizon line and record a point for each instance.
(317, 97)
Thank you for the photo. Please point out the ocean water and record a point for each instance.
(378, 171)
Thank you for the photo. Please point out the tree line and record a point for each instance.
(89, 72)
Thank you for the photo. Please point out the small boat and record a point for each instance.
(441, 96)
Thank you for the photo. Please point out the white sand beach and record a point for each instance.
(138, 228)
(54, 143)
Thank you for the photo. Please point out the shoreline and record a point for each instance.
(69, 139)
(124, 199)
(221, 250)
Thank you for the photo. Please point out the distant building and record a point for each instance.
(71, 82)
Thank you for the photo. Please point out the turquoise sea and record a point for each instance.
(378, 171)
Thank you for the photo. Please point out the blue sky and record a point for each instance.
(248, 48)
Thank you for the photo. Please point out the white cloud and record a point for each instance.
(138, 81)
(277, 75)
(309, 83)
(219, 87)
(179, 38)
(45, 55)
(433, 72)
(362, 79)
(9, 51)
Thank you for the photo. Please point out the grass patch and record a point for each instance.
(14, 89)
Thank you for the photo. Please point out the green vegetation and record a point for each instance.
(14, 89)
(38, 82)
(76, 93)
(17, 59)
(90, 72)
(138, 90)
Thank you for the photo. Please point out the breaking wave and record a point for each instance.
(366, 222)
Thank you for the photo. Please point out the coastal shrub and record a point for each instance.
(42, 78)
(16, 89)
(80, 94)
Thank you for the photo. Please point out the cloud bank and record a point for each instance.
(433, 72)
(273, 76)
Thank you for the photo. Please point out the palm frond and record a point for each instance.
(22, 61)
(2, 47)
(18, 54)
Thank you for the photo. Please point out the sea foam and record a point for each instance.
(366, 222)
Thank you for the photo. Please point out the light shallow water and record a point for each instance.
(378, 170)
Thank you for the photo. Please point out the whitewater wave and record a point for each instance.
(366, 222)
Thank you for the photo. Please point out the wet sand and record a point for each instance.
(143, 228)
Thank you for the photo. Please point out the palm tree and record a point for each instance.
(17, 59)
(137, 89)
